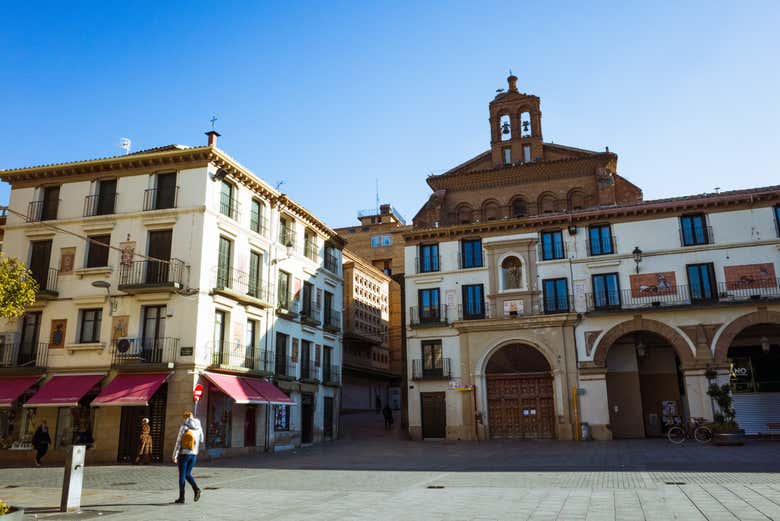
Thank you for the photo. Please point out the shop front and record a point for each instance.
(16, 422)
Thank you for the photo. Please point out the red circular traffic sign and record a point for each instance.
(197, 392)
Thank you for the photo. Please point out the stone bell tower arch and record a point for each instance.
(515, 126)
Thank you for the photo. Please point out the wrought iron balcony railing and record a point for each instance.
(285, 366)
(436, 369)
(331, 374)
(242, 283)
(428, 316)
(47, 280)
(152, 273)
(160, 350)
(99, 204)
(332, 320)
(160, 198)
(24, 354)
(44, 210)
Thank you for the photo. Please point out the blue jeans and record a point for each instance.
(186, 463)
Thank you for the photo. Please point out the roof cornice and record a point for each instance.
(764, 196)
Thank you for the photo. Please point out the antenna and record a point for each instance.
(280, 183)
(377, 196)
(125, 143)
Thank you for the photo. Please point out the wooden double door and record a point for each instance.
(521, 406)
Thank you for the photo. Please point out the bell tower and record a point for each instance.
(515, 126)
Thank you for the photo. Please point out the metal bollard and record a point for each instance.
(73, 480)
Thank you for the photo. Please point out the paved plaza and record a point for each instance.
(395, 479)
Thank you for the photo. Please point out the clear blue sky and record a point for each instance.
(330, 97)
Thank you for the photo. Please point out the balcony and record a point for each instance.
(287, 236)
(160, 199)
(332, 321)
(431, 369)
(686, 295)
(228, 206)
(430, 264)
(242, 286)
(310, 314)
(474, 311)
(99, 204)
(310, 372)
(286, 306)
(26, 355)
(285, 367)
(238, 356)
(144, 351)
(47, 280)
(258, 223)
(44, 210)
(428, 316)
(331, 375)
(332, 263)
(150, 275)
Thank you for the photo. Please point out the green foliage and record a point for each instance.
(725, 419)
(17, 287)
(4, 508)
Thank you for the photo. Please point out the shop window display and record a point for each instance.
(74, 424)
(281, 417)
(219, 419)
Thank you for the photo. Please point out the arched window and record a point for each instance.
(505, 128)
(525, 124)
(490, 211)
(511, 273)
(464, 214)
(519, 207)
(576, 200)
(546, 203)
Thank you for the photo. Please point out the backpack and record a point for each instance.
(188, 440)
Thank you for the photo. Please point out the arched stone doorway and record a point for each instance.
(645, 385)
(520, 396)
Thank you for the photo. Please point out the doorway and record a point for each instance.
(307, 418)
(28, 344)
(159, 248)
(434, 418)
(130, 427)
(327, 411)
(153, 333)
(250, 430)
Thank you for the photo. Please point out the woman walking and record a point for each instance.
(41, 441)
(185, 454)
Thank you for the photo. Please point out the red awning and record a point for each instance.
(13, 387)
(236, 387)
(271, 393)
(64, 390)
(130, 389)
(249, 390)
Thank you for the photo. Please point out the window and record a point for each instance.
(306, 368)
(284, 290)
(286, 232)
(429, 305)
(507, 155)
(473, 301)
(164, 194)
(433, 361)
(556, 295)
(97, 250)
(90, 325)
(281, 417)
(511, 273)
(380, 241)
(73, 421)
(600, 240)
(220, 323)
(308, 292)
(471, 253)
(693, 230)
(223, 262)
(606, 291)
(227, 201)
(552, 245)
(310, 249)
(701, 280)
(281, 368)
(429, 258)
(330, 318)
(777, 219)
(526, 153)
(255, 274)
(519, 208)
(257, 217)
(547, 203)
(106, 197)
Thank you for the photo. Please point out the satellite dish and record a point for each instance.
(123, 346)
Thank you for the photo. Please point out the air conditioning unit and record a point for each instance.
(127, 345)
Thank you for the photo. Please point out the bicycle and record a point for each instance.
(695, 428)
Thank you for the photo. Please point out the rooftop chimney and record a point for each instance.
(512, 80)
(213, 135)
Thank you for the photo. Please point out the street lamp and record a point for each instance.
(765, 346)
(637, 257)
(107, 286)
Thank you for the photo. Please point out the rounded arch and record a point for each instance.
(677, 340)
(736, 326)
(490, 209)
(547, 202)
(482, 362)
(464, 214)
(517, 357)
(512, 274)
(575, 199)
(518, 206)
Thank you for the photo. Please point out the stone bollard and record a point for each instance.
(73, 480)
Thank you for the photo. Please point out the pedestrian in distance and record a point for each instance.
(145, 447)
(185, 453)
(378, 404)
(41, 441)
(387, 412)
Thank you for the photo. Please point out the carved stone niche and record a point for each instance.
(512, 287)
